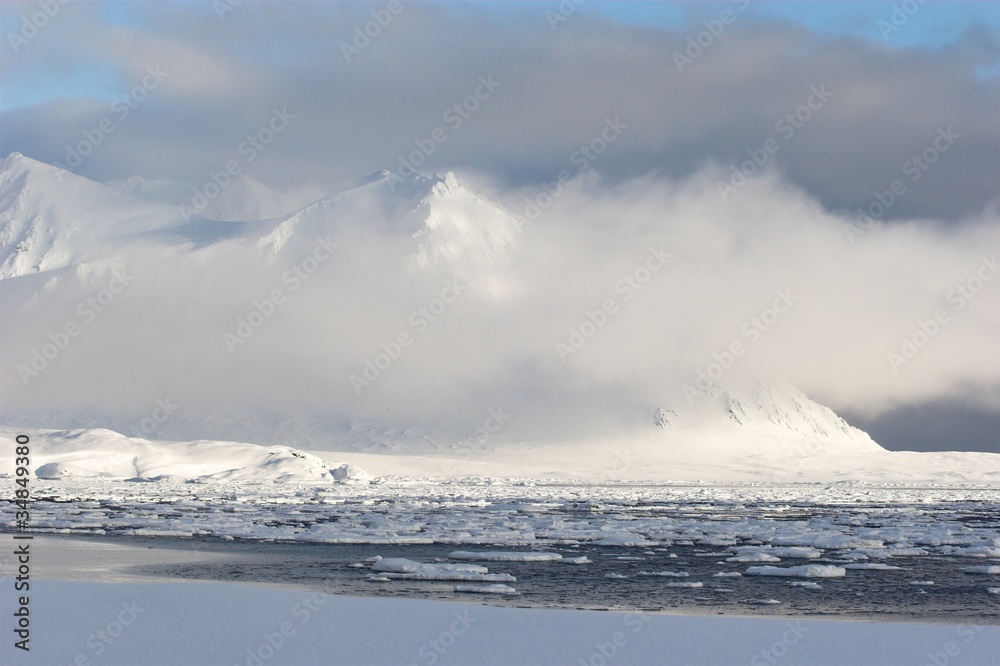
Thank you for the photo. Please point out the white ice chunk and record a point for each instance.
(453, 575)
(496, 588)
(625, 540)
(844, 541)
(978, 551)
(795, 552)
(804, 571)
(504, 556)
(403, 565)
(755, 556)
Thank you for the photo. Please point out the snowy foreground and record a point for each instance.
(193, 623)
(764, 543)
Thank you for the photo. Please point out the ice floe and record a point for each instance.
(504, 556)
(753, 556)
(625, 540)
(496, 588)
(403, 565)
(399, 568)
(803, 571)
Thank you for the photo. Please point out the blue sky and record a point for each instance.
(933, 25)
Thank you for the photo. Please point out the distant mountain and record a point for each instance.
(100, 453)
(393, 246)
(52, 219)
(243, 199)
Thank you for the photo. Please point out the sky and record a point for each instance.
(789, 116)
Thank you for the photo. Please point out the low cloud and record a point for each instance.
(615, 299)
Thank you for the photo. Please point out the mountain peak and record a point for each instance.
(50, 218)
(774, 409)
(17, 165)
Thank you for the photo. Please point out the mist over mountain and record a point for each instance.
(395, 312)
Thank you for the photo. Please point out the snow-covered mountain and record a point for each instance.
(101, 453)
(453, 230)
(279, 331)
(52, 219)
(243, 199)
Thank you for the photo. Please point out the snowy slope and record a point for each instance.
(59, 454)
(52, 219)
(454, 232)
